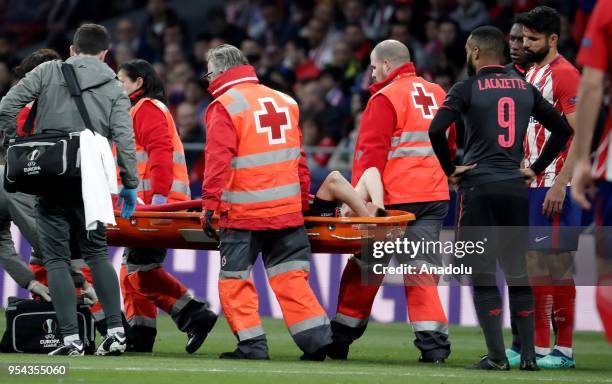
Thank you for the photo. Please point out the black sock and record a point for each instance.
(516, 342)
(521, 312)
(489, 311)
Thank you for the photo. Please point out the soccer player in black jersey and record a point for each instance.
(496, 106)
(519, 61)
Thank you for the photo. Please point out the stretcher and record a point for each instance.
(177, 226)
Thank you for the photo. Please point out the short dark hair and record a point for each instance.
(541, 19)
(91, 39)
(490, 40)
(34, 59)
(152, 85)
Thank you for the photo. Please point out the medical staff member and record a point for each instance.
(163, 179)
(256, 178)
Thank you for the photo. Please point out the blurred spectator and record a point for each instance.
(401, 32)
(253, 51)
(125, 34)
(502, 15)
(7, 49)
(159, 15)
(443, 79)
(321, 39)
(176, 33)
(347, 64)
(296, 60)
(311, 125)
(342, 158)
(312, 97)
(123, 52)
(176, 84)
(378, 16)
(566, 45)
(452, 48)
(189, 129)
(200, 47)
(196, 94)
(438, 9)
(358, 43)
(173, 55)
(275, 28)
(219, 27)
(354, 13)
(469, 14)
(6, 78)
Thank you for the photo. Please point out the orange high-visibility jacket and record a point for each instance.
(179, 191)
(412, 173)
(264, 179)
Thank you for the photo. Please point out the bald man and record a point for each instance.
(393, 138)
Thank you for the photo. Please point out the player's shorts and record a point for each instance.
(603, 220)
(495, 216)
(323, 208)
(559, 232)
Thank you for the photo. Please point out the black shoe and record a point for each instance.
(487, 364)
(239, 355)
(432, 361)
(196, 337)
(338, 351)
(318, 355)
(529, 365)
(75, 348)
(142, 340)
(381, 213)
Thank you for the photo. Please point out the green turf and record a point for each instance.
(385, 354)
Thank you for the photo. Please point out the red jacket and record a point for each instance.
(377, 124)
(222, 146)
(151, 132)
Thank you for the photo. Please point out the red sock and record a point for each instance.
(604, 303)
(543, 302)
(564, 298)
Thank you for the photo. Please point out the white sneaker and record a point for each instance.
(113, 345)
(73, 349)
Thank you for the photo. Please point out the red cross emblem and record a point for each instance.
(424, 100)
(273, 120)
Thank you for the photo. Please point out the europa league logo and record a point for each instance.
(32, 156)
(49, 326)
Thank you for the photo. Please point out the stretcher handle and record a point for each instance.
(171, 207)
(395, 217)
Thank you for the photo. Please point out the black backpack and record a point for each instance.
(32, 327)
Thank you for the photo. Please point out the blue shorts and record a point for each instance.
(603, 220)
(559, 232)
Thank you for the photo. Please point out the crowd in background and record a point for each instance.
(316, 51)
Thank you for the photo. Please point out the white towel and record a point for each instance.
(98, 179)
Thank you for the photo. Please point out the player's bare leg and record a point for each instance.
(336, 187)
(370, 187)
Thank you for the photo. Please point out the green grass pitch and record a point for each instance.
(385, 354)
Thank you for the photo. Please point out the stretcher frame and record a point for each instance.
(164, 227)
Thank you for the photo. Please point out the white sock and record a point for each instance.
(567, 351)
(69, 339)
(112, 331)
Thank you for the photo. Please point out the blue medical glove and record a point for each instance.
(128, 197)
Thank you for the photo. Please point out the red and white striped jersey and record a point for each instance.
(602, 161)
(596, 52)
(558, 82)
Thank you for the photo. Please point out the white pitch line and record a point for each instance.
(331, 373)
